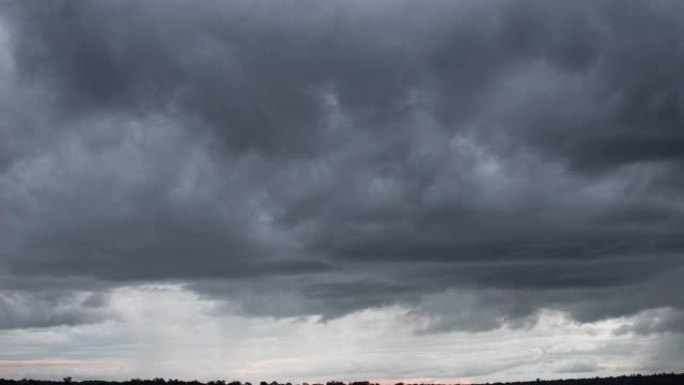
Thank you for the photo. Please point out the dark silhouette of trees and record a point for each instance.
(634, 379)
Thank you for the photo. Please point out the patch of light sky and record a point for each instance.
(166, 329)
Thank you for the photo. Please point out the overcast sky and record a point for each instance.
(313, 190)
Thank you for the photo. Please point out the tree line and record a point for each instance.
(634, 379)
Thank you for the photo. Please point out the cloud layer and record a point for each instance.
(474, 161)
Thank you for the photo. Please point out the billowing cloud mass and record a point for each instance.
(474, 162)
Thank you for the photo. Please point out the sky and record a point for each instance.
(314, 190)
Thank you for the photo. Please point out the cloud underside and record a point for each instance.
(478, 161)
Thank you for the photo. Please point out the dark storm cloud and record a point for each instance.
(20, 309)
(321, 158)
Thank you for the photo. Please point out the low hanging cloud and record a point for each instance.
(473, 161)
(34, 310)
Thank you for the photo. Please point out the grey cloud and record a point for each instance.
(664, 356)
(579, 366)
(656, 321)
(21, 309)
(347, 155)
